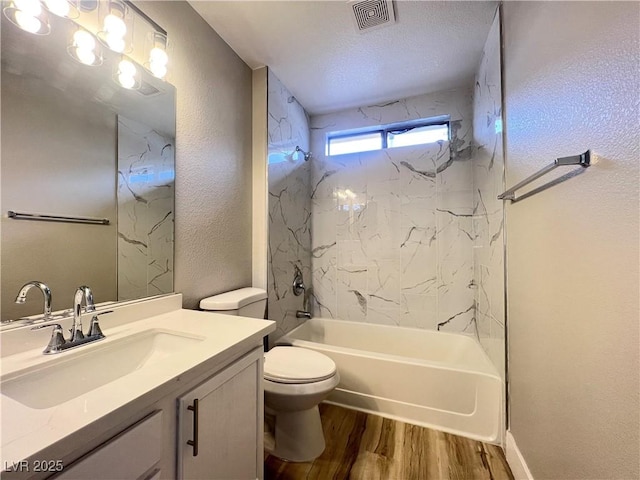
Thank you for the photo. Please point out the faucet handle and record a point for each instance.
(94, 327)
(55, 326)
(298, 283)
(57, 337)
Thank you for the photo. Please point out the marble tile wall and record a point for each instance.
(146, 172)
(289, 205)
(393, 229)
(488, 180)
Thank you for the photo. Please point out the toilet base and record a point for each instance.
(298, 435)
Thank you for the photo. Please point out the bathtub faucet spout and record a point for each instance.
(303, 314)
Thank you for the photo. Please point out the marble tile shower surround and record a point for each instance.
(393, 229)
(289, 205)
(145, 210)
(488, 219)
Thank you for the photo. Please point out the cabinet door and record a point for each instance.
(220, 429)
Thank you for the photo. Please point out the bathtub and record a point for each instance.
(438, 380)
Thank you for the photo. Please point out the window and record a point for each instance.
(361, 142)
(417, 135)
(390, 136)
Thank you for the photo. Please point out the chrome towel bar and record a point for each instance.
(57, 218)
(584, 160)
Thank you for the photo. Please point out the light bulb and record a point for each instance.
(125, 67)
(114, 25)
(58, 7)
(115, 42)
(29, 7)
(83, 48)
(158, 56)
(158, 70)
(84, 40)
(126, 74)
(126, 81)
(85, 56)
(27, 22)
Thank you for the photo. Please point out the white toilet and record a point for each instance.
(296, 380)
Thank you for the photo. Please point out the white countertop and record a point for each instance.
(26, 431)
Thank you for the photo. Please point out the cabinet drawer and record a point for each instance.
(128, 455)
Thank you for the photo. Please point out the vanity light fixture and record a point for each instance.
(63, 8)
(127, 74)
(115, 18)
(158, 57)
(29, 16)
(114, 26)
(83, 48)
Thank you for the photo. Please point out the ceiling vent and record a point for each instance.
(372, 14)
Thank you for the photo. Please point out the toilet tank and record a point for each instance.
(246, 302)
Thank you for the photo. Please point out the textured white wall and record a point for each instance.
(213, 155)
(259, 138)
(571, 84)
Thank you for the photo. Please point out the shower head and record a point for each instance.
(307, 155)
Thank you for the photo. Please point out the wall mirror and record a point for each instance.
(75, 143)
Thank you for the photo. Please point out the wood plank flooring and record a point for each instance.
(368, 447)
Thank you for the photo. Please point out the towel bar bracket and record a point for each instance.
(584, 160)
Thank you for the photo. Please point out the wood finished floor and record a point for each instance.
(368, 447)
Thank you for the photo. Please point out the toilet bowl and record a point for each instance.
(295, 381)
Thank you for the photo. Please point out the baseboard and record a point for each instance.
(516, 461)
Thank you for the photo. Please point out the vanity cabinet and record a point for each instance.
(220, 424)
(130, 418)
(218, 432)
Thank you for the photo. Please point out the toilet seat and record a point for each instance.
(302, 389)
(295, 365)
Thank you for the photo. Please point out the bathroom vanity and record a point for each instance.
(169, 393)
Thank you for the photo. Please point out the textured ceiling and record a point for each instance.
(314, 48)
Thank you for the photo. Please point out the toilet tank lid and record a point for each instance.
(234, 299)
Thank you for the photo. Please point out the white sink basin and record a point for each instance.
(89, 367)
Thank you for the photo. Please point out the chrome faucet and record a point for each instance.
(58, 343)
(85, 293)
(46, 291)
